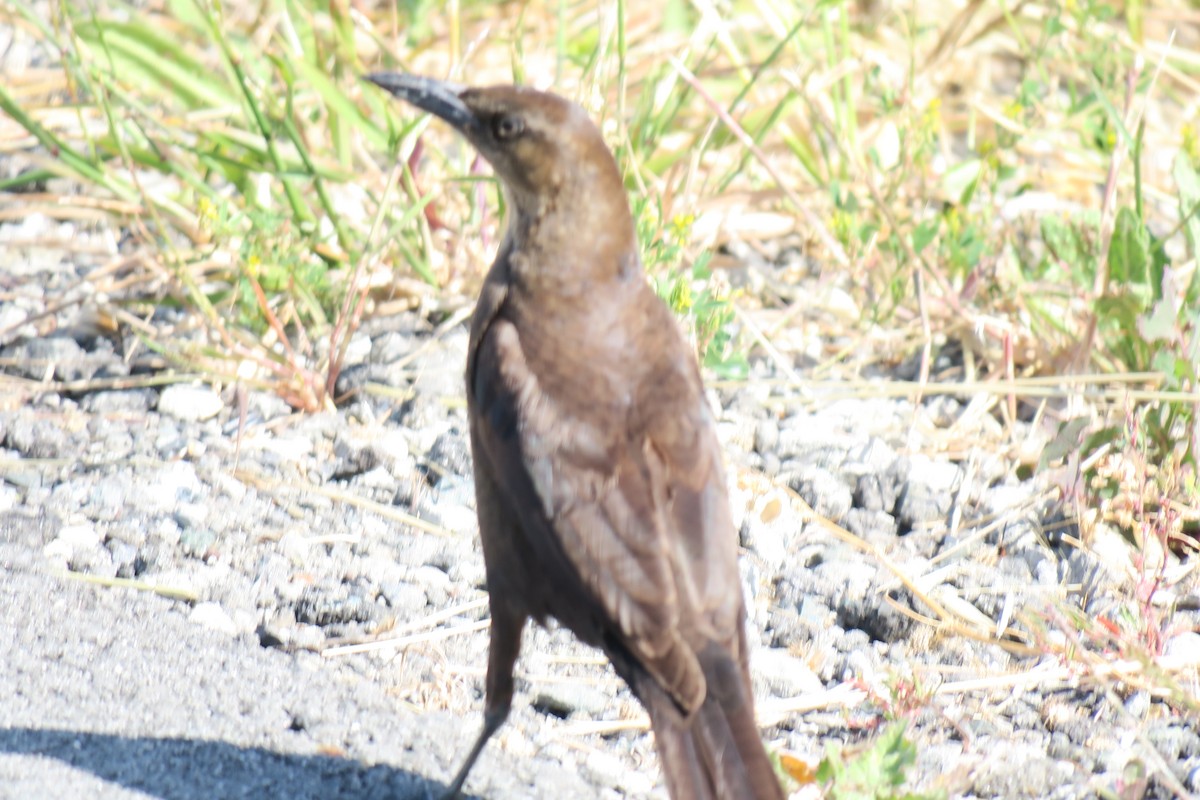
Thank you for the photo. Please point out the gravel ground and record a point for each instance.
(205, 595)
(274, 550)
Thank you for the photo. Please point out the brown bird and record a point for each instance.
(598, 475)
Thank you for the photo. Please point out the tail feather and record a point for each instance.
(716, 753)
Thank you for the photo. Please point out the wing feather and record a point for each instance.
(588, 500)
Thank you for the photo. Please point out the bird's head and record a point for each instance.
(543, 147)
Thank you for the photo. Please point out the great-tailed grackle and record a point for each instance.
(598, 475)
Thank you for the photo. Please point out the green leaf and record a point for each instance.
(144, 57)
(875, 774)
(1170, 366)
(1114, 117)
(677, 17)
(1129, 252)
(961, 180)
(1161, 323)
(1066, 442)
(1061, 239)
(339, 102)
(1188, 184)
(925, 233)
(727, 368)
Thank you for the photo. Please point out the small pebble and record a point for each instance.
(189, 403)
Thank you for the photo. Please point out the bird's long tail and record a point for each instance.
(716, 753)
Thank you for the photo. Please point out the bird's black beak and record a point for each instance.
(439, 98)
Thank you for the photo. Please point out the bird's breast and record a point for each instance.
(582, 354)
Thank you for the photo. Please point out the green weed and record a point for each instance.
(877, 773)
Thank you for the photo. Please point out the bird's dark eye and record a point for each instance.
(507, 126)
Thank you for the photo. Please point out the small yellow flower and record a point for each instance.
(842, 224)
(206, 214)
(681, 227)
(933, 112)
(1191, 142)
(954, 221)
(681, 295)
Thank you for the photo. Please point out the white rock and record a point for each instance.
(59, 552)
(1006, 498)
(768, 527)
(445, 512)
(356, 352)
(244, 621)
(378, 478)
(12, 318)
(189, 403)
(295, 547)
(435, 583)
(841, 304)
(8, 497)
(177, 483)
(80, 537)
(940, 476)
(1185, 647)
(293, 449)
(1113, 550)
(608, 771)
(784, 674)
(391, 448)
(211, 615)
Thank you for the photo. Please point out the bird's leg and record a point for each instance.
(503, 648)
(492, 720)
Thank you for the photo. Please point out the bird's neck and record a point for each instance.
(573, 246)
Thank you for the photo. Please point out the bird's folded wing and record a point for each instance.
(602, 502)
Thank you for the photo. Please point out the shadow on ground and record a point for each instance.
(197, 769)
